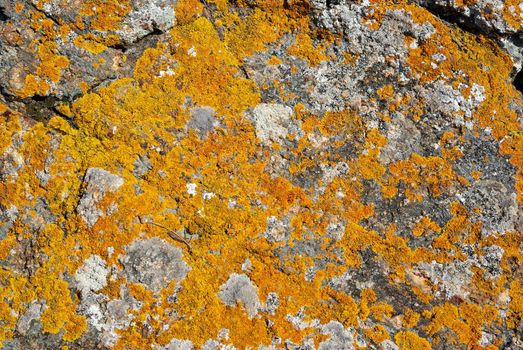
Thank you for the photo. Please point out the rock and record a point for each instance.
(83, 56)
(176, 344)
(498, 208)
(7, 219)
(498, 19)
(25, 322)
(142, 165)
(452, 279)
(146, 17)
(403, 139)
(327, 174)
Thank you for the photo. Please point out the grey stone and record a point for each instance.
(31, 315)
(403, 139)
(7, 218)
(177, 344)
(147, 17)
(499, 209)
(452, 279)
(273, 122)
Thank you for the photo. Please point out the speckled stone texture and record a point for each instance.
(261, 174)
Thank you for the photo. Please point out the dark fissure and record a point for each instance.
(518, 81)
(3, 16)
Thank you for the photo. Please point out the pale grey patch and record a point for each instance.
(147, 17)
(273, 122)
(92, 275)
(340, 338)
(499, 209)
(453, 278)
(240, 289)
(272, 303)
(7, 218)
(29, 317)
(142, 165)
(403, 138)
(98, 183)
(177, 344)
(154, 263)
(203, 120)
(277, 230)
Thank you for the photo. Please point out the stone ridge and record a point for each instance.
(261, 174)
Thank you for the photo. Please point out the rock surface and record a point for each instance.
(298, 174)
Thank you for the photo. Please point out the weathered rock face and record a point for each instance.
(499, 19)
(300, 174)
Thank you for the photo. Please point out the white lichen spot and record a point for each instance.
(168, 72)
(247, 265)
(272, 122)
(191, 189)
(208, 195)
(191, 52)
(92, 275)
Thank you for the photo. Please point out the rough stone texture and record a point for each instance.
(73, 55)
(499, 19)
(300, 174)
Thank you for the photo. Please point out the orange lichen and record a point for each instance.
(420, 174)
(385, 92)
(105, 15)
(305, 48)
(425, 225)
(274, 61)
(33, 86)
(95, 44)
(147, 115)
(411, 341)
(377, 333)
(188, 10)
(9, 126)
(410, 318)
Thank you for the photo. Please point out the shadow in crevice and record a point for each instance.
(518, 81)
(3, 16)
